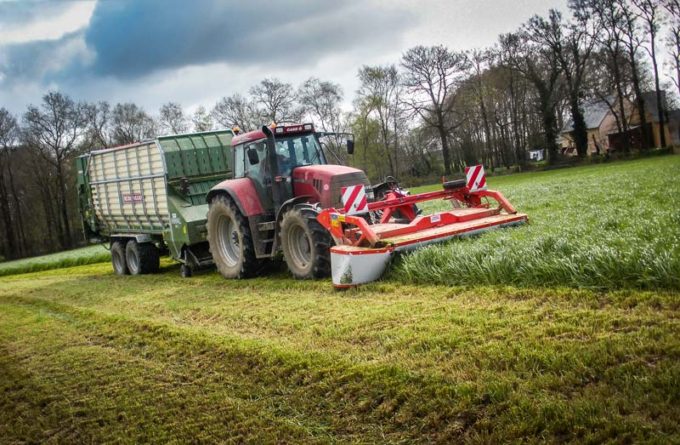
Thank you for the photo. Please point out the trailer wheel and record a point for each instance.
(305, 244)
(231, 243)
(118, 258)
(142, 258)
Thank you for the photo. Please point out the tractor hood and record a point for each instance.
(324, 183)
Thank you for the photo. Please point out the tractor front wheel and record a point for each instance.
(305, 244)
(231, 243)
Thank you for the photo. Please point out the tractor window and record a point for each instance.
(239, 162)
(296, 151)
(256, 171)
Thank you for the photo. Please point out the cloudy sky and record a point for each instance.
(193, 52)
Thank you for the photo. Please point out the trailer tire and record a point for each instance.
(142, 258)
(230, 240)
(305, 244)
(118, 258)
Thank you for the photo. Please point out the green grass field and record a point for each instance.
(87, 356)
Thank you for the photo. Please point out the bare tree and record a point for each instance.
(611, 39)
(172, 119)
(673, 39)
(652, 18)
(202, 120)
(320, 100)
(379, 96)
(237, 111)
(430, 76)
(275, 100)
(54, 129)
(539, 65)
(98, 117)
(478, 60)
(572, 45)
(633, 42)
(131, 124)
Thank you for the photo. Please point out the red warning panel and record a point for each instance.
(354, 199)
(476, 179)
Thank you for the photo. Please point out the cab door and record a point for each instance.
(258, 172)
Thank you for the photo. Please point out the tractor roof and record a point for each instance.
(247, 137)
(279, 130)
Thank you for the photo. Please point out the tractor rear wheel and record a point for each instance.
(118, 258)
(305, 244)
(142, 258)
(231, 243)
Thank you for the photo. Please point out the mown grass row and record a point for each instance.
(76, 257)
(603, 226)
(159, 358)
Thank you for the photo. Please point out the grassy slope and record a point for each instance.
(85, 255)
(601, 226)
(86, 356)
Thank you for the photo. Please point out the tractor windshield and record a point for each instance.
(299, 150)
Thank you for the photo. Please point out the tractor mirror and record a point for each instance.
(350, 147)
(253, 158)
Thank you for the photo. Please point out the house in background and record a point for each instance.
(603, 131)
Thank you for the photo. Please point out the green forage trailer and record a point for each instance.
(149, 198)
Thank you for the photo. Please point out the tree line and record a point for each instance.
(432, 112)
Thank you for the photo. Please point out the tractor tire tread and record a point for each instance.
(321, 239)
(250, 265)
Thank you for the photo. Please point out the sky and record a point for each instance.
(194, 52)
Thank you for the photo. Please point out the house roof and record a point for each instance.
(593, 113)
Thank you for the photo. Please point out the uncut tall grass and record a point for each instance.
(601, 226)
(75, 257)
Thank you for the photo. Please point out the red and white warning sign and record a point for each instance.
(354, 199)
(475, 178)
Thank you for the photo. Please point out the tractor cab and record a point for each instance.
(269, 159)
(284, 162)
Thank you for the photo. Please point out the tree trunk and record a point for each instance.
(622, 109)
(445, 142)
(640, 102)
(67, 243)
(19, 220)
(50, 219)
(7, 219)
(659, 104)
(580, 129)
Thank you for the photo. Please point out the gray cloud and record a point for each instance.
(44, 59)
(12, 13)
(134, 38)
(129, 39)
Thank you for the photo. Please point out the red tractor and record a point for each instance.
(285, 198)
(281, 183)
